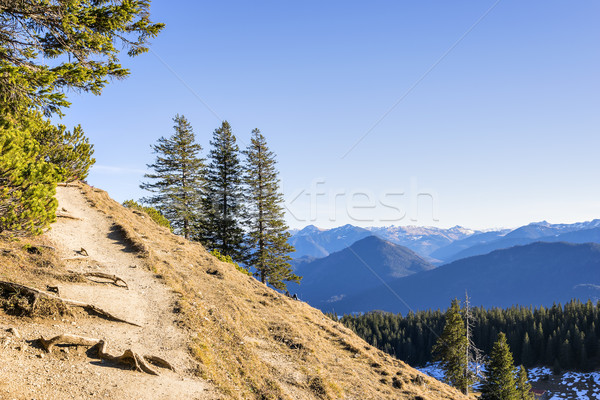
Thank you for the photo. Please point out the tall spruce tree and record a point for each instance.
(220, 225)
(178, 177)
(499, 383)
(523, 385)
(267, 234)
(451, 350)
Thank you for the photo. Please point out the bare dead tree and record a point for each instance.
(474, 356)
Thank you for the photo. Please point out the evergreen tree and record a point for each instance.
(177, 177)
(69, 151)
(220, 226)
(451, 349)
(526, 352)
(267, 233)
(499, 382)
(27, 185)
(539, 333)
(83, 39)
(523, 385)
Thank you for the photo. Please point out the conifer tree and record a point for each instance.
(267, 233)
(47, 48)
(69, 151)
(83, 40)
(526, 352)
(27, 185)
(177, 178)
(523, 385)
(499, 382)
(220, 225)
(451, 349)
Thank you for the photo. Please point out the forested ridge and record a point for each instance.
(561, 337)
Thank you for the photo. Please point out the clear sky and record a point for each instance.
(489, 110)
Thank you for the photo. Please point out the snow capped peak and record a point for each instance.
(307, 230)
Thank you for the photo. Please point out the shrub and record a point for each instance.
(229, 260)
(153, 213)
(27, 184)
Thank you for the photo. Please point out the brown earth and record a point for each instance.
(226, 334)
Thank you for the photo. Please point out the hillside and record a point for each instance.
(536, 274)
(355, 269)
(227, 335)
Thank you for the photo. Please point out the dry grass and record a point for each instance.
(249, 340)
(31, 261)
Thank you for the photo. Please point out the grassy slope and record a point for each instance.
(249, 340)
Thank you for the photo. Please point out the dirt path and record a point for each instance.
(148, 302)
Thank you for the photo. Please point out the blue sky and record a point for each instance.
(502, 131)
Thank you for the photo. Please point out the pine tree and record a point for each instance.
(474, 355)
(499, 382)
(451, 349)
(27, 185)
(267, 233)
(81, 38)
(69, 151)
(220, 227)
(178, 177)
(523, 385)
(527, 352)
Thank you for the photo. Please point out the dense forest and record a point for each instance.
(561, 337)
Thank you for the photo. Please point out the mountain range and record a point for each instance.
(439, 245)
(535, 274)
(313, 242)
(484, 243)
(365, 264)
(351, 269)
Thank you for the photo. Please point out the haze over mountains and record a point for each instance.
(535, 274)
(350, 269)
(536, 232)
(355, 269)
(314, 242)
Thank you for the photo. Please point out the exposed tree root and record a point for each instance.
(115, 280)
(35, 295)
(76, 258)
(66, 215)
(129, 357)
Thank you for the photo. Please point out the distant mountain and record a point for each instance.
(438, 245)
(423, 240)
(314, 242)
(540, 273)
(537, 230)
(359, 267)
(534, 232)
(447, 252)
(583, 236)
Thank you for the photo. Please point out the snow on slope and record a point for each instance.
(568, 386)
